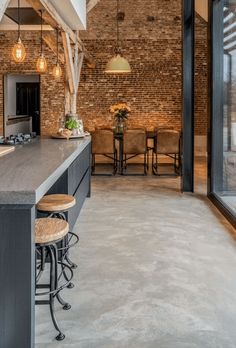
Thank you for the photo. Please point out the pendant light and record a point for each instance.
(118, 64)
(41, 62)
(57, 72)
(18, 51)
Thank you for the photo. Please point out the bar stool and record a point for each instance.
(55, 206)
(48, 232)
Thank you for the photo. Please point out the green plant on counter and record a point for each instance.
(71, 124)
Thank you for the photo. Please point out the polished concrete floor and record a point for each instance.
(157, 269)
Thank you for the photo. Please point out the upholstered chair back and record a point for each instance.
(135, 141)
(167, 141)
(103, 141)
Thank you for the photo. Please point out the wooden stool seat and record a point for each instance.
(50, 229)
(56, 203)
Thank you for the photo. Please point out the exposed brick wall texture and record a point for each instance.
(201, 76)
(153, 48)
(51, 91)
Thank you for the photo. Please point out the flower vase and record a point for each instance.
(120, 126)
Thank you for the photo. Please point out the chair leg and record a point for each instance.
(154, 164)
(145, 163)
(93, 164)
(115, 162)
(53, 283)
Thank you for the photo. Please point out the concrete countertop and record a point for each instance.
(27, 173)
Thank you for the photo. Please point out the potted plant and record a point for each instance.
(121, 112)
(72, 125)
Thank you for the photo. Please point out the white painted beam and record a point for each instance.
(3, 7)
(91, 4)
(69, 62)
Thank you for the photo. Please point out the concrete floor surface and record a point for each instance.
(157, 269)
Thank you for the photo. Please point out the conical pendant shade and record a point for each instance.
(118, 65)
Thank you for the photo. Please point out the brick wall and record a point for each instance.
(153, 48)
(52, 91)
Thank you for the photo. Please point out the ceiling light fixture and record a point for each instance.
(41, 62)
(57, 72)
(18, 51)
(118, 64)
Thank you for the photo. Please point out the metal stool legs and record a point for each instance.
(62, 216)
(51, 251)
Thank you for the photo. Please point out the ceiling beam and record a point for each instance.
(52, 17)
(3, 7)
(69, 62)
(91, 4)
(55, 15)
(51, 42)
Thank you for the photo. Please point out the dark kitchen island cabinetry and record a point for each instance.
(27, 174)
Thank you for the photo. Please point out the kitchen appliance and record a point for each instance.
(17, 139)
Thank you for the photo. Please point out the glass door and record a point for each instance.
(222, 125)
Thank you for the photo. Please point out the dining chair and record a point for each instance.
(168, 144)
(103, 143)
(134, 144)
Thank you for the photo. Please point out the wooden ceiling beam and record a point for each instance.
(69, 62)
(51, 41)
(52, 17)
(91, 4)
(37, 6)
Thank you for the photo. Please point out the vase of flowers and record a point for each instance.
(121, 112)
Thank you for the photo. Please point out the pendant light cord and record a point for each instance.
(18, 19)
(41, 32)
(57, 45)
(117, 28)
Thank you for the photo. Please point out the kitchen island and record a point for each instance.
(27, 174)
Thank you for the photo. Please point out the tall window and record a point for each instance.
(228, 193)
(223, 105)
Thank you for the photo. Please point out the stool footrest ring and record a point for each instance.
(64, 285)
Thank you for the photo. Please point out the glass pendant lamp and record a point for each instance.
(18, 51)
(41, 62)
(57, 72)
(118, 64)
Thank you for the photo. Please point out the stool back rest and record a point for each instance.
(103, 141)
(167, 141)
(134, 141)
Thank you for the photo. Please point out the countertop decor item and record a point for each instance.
(121, 112)
(18, 51)
(63, 133)
(41, 62)
(74, 123)
(71, 124)
(62, 136)
(118, 64)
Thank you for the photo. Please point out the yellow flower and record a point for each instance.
(117, 107)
